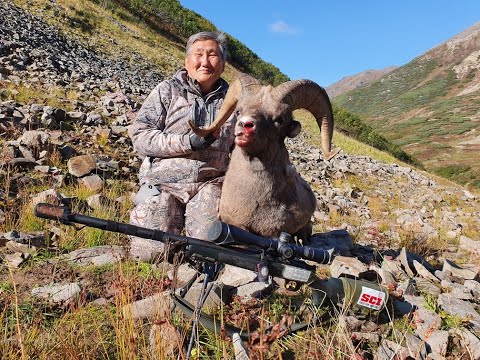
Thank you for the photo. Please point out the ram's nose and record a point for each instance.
(245, 127)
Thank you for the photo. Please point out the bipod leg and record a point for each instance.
(210, 271)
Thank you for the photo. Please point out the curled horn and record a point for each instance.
(243, 84)
(308, 95)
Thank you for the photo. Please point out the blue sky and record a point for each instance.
(327, 40)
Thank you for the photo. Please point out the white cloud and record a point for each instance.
(282, 27)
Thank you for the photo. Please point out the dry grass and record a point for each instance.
(54, 96)
(82, 330)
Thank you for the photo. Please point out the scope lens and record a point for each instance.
(216, 232)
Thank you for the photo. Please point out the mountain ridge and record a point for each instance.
(358, 80)
(429, 106)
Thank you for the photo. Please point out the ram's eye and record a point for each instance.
(236, 113)
(278, 122)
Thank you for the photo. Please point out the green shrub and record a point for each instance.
(353, 126)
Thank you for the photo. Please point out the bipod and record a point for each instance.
(210, 271)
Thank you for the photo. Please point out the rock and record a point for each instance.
(394, 267)
(348, 266)
(217, 296)
(98, 255)
(235, 276)
(391, 350)
(156, 306)
(469, 245)
(416, 347)
(145, 249)
(387, 278)
(470, 342)
(425, 321)
(474, 287)
(100, 302)
(98, 201)
(422, 271)
(251, 290)
(16, 259)
(81, 165)
(34, 139)
(454, 269)
(92, 182)
(58, 293)
(239, 349)
(50, 196)
(438, 341)
(351, 322)
(459, 309)
(457, 290)
(181, 274)
(164, 340)
(21, 248)
(372, 338)
(426, 287)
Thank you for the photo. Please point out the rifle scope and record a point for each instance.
(223, 233)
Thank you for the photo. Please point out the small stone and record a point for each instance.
(16, 259)
(98, 255)
(422, 271)
(164, 340)
(57, 293)
(92, 182)
(348, 266)
(158, 305)
(81, 165)
(454, 269)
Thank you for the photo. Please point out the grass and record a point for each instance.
(54, 96)
(348, 144)
(82, 329)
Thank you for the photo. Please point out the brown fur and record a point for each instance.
(262, 192)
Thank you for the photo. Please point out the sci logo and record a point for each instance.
(371, 298)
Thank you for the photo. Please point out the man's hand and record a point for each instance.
(201, 143)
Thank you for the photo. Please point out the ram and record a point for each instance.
(262, 192)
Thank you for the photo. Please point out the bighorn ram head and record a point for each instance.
(254, 102)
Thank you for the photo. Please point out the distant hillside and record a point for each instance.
(356, 81)
(430, 107)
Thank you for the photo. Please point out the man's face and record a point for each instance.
(204, 63)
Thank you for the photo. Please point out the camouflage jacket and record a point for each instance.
(160, 132)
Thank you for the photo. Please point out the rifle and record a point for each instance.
(228, 245)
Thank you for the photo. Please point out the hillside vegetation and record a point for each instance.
(430, 107)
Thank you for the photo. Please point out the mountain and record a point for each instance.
(430, 107)
(356, 81)
(72, 75)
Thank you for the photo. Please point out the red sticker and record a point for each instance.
(371, 298)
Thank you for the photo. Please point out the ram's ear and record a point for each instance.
(294, 129)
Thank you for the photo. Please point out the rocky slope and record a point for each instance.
(386, 208)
